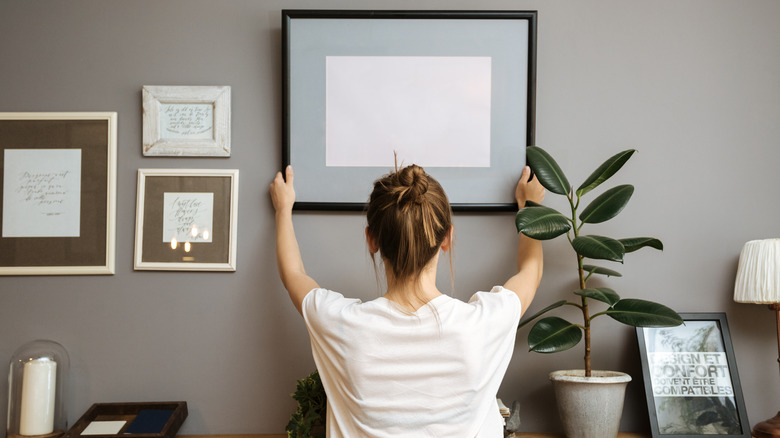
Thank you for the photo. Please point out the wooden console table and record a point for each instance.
(517, 435)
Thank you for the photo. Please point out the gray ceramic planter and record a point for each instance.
(590, 407)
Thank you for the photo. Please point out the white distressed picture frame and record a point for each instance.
(210, 136)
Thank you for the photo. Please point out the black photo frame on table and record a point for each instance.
(691, 381)
(58, 193)
(186, 220)
(452, 91)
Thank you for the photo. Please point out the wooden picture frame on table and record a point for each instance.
(691, 380)
(186, 121)
(186, 220)
(58, 210)
(452, 91)
(141, 419)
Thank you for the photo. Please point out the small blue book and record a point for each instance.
(149, 421)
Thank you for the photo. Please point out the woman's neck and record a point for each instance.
(413, 293)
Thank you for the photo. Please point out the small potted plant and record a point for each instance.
(308, 421)
(553, 334)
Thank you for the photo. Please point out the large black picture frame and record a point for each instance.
(691, 380)
(309, 37)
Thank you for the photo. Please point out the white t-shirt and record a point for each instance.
(434, 373)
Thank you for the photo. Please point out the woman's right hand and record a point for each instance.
(528, 190)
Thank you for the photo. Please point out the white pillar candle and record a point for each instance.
(38, 387)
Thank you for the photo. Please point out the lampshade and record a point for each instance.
(758, 274)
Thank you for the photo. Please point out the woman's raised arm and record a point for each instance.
(288, 254)
(529, 251)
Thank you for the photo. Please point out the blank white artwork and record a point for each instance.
(188, 217)
(42, 193)
(104, 427)
(187, 121)
(433, 111)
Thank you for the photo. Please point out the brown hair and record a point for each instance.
(409, 217)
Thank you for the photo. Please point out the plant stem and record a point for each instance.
(585, 317)
(583, 282)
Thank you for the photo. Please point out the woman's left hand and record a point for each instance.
(283, 192)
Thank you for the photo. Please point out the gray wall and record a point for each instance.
(692, 84)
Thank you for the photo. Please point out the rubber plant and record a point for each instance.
(553, 334)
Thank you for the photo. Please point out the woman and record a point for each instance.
(414, 362)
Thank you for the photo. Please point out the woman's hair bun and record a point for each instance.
(412, 185)
(409, 217)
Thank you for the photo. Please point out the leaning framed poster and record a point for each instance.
(691, 379)
(59, 193)
(452, 91)
(186, 219)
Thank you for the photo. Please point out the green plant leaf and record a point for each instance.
(312, 402)
(599, 247)
(607, 205)
(603, 294)
(634, 243)
(642, 313)
(601, 271)
(605, 171)
(541, 223)
(547, 170)
(553, 334)
(541, 312)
